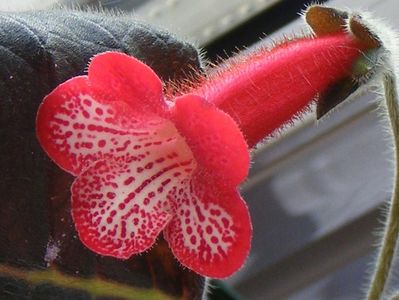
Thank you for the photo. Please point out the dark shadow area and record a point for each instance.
(267, 22)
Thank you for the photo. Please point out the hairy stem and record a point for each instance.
(390, 237)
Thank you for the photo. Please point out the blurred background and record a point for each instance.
(317, 191)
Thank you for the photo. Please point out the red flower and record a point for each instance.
(144, 165)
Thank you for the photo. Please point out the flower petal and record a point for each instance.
(211, 230)
(120, 205)
(129, 80)
(77, 126)
(214, 138)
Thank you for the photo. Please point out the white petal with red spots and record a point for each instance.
(120, 205)
(209, 232)
(77, 129)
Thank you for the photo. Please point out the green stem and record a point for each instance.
(391, 232)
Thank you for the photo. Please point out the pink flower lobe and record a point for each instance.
(214, 138)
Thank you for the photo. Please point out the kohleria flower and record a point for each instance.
(146, 164)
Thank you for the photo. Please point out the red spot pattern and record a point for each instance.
(212, 231)
(144, 166)
(75, 141)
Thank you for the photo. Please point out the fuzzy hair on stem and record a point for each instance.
(385, 71)
(375, 71)
(382, 78)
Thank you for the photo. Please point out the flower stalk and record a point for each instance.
(391, 232)
(376, 66)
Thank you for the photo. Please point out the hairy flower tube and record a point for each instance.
(146, 164)
(265, 90)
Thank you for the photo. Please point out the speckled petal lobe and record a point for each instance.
(128, 79)
(211, 231)
(76, 126)
(120, 205)
(214, 138)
